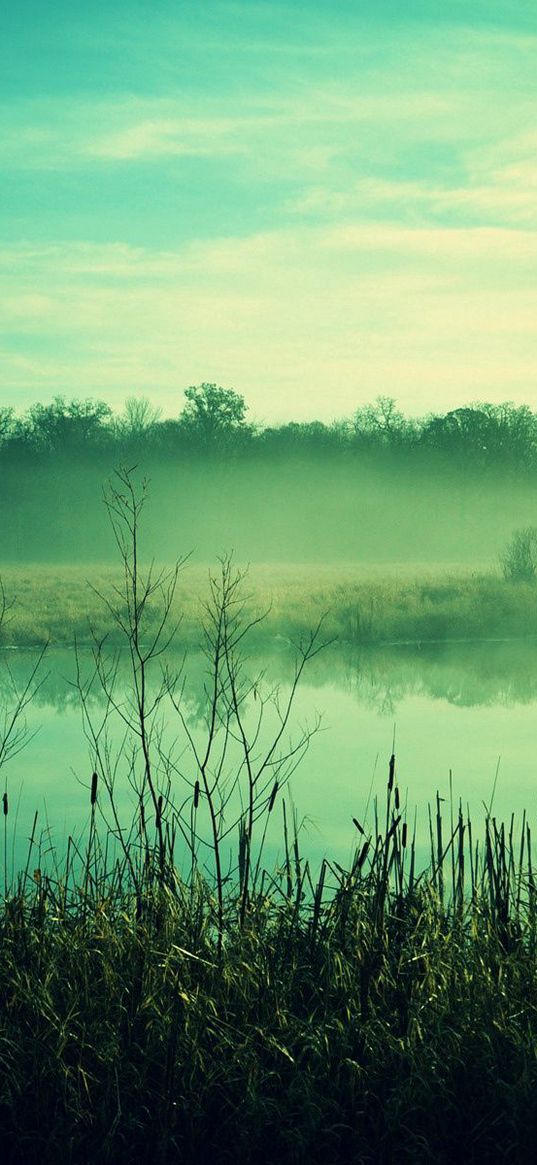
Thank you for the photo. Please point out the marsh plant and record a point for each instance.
(379, 1012)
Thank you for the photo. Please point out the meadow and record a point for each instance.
(361, 604)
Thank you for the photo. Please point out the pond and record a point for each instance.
(463, 717)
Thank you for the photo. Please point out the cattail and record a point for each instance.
(196, 794)
(159, 811)
(93, 794)
(358, 826)
(396, 796)
(273, 797)
(363, 854)
(5, 805)
(391, 772)
(243, 847)
(403, 835)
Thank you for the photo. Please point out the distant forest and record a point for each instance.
(214, 422)
(375, 487)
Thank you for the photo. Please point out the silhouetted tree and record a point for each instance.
(62, 426)
(485, 433)
(213, 413)
(7, 424)
(302, 438)
(139, 419)
(382, 423)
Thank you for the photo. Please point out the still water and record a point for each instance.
(465, 708)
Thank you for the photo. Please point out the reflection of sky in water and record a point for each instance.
(425, 696)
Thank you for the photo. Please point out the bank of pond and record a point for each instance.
(361, 604)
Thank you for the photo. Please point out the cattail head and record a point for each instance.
(396, 796)
(5, 805)
(403, 835)
(159, 810)
(363, 854)
(196, 794)
(358, 826)
(273, 797)
(243, 847)
(391, 772)
(93, 794)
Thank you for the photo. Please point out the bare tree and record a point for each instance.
(138, 419)
(241, 764)
(208, 787)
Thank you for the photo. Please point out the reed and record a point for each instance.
(363, 1014)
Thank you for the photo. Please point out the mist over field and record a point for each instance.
(378, 488)
(280, 511)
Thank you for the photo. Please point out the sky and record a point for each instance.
(314, 202)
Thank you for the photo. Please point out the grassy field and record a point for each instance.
(363, 605)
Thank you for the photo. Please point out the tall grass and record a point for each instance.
(377, 1013)
(361, 605)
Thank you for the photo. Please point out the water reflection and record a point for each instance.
(456, 707)
(465, 674)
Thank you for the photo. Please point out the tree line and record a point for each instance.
(214, 421)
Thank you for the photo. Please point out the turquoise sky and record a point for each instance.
(310, 202)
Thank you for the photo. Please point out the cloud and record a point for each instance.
(382, 187)
(309, 322)
(167, 137)
(276, 132)
(373, 92)
(499, 188)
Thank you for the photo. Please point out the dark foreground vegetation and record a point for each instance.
(372, 1015)
(166, 995)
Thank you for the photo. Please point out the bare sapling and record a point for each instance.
(204, 784)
